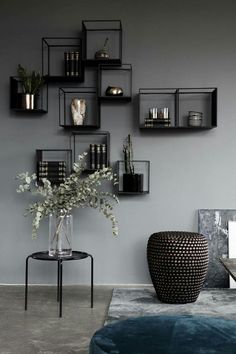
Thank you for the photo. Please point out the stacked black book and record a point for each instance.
(157, 122)
(98, 156)
(72, 62)
(54, 171)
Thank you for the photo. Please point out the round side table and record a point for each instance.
(44, 256)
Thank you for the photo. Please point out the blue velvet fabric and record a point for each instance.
(166, 335)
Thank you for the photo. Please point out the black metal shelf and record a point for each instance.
(131, 193)
(53, 59)
(178, 102)
(95, 33)
(16, 97)
(113, 99)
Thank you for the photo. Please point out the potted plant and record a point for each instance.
(58, 201)
(31, 83)
(132, 182)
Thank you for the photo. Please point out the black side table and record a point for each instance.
(44, 256)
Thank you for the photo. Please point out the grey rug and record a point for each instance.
(133, 302)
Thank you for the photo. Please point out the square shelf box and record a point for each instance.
(119, 77)
(38, 104)
(97, 147)
(62, 59)
(136, 184)
(53, 164)
(79, 108)
(203, 100)
(100, 33)
(157, 108)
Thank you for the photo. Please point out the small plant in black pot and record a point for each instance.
(132, 182)
(31, 83)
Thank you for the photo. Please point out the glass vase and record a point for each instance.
(60, 235)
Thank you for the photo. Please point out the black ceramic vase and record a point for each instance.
(178, 264)
(133, 182)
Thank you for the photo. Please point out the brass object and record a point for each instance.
(114, 91)
(103, 53)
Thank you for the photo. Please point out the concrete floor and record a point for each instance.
(40, 330)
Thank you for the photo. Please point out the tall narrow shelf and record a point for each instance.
(92, 111)
(54, 65)
(16, 93)
(115, 76)
(179, 102)
(95, 33)
(133, 186)
(81, 142)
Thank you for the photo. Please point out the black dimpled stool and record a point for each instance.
(178, 262)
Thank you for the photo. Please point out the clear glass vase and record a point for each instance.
(60, 235)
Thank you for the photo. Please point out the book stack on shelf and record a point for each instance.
(71, 63)
(98, 156)
(54, 171)
(158, 118)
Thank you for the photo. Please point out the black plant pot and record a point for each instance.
(133, 182)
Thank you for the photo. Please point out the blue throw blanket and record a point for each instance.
(166, 335)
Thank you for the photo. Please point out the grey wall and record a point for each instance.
(187, 43)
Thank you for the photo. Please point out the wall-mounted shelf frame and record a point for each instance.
(53, 164)
(53, 59)
(92, 117)
(95, 33)
(142, 168)
(179, 102)
(118, 76)
(16, 97)
(81, 141)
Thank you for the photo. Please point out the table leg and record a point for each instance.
(91, 291)
(58, 279)
(26, 281)
(60, 287)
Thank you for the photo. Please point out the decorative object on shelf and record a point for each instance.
(31, 83)
(60, 234)
(72, 63)
(178, 263)
(98, 156)
(103, 53)
(195, 119)
(75, 192)
(54, 171)
(114, 91)
(132, 182)
(78, 110)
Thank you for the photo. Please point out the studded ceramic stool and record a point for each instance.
(178, 264)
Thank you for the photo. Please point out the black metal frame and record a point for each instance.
(177, 92)
(44, 256)
(104, 134)
(14, 91)
(62, 107)
(123, 67)
(95, 62)
(121, 192)
(46, 46)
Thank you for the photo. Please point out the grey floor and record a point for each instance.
(40, 330)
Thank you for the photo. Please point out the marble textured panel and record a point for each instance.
(134, 302)
(213, 223)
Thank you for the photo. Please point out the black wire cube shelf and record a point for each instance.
(62, 59)
(79, 108)
(115, 83)
(137, 183)
(102, 42)
(178, 108)
(53, 164)
(27, 103)
(97, 147)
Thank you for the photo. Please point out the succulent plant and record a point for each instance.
(30, 81)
